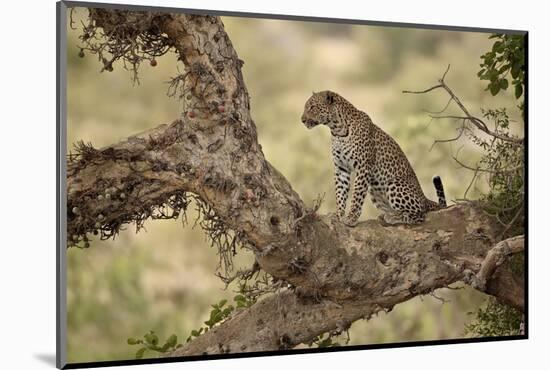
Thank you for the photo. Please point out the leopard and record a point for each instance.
(371, 160)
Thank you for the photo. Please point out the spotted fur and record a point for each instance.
(377, 163)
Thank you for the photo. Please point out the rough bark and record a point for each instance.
(340, 274)
(372, 268)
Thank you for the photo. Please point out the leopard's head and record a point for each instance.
(327, 108)
(320, 109)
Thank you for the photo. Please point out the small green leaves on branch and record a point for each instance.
(495, 320)
(221, 311)
(504, 64)
(150, 342)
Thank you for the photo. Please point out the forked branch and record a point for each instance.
(494, 259)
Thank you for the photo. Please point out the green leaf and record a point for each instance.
(239, 298)
(504, 68)
(519, 91)
(154, 347)
(140, 352)
(241, 304)
(217, 317)
(228, 310)
(516, 67)
(494, 88)
(132, 341)
(503, 83)
(498, 46)
(172, 340)
(493, 75)
(213, 313)
(151, 338)
(491, 55)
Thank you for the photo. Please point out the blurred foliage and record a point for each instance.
(150, 342)
(219, 313)
(163, 278)
(503, 163)
(495, 319)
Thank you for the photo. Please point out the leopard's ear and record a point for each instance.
(330, 97)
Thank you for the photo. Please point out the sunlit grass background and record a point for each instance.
(163, 279)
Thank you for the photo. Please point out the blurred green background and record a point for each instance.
(163, 279)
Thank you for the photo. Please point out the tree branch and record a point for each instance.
(280, 321)
(476, 121)
(394, 265)
(493, 260)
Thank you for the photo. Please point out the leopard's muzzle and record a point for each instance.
(308, 122)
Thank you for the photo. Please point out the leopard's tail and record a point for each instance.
(440, 192)
(441, 201)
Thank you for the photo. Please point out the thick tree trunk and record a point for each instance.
(339, 274)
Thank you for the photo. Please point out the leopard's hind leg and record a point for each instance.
(406, 206)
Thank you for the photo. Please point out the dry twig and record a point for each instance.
(477, 122)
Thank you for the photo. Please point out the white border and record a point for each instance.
(27, 153)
